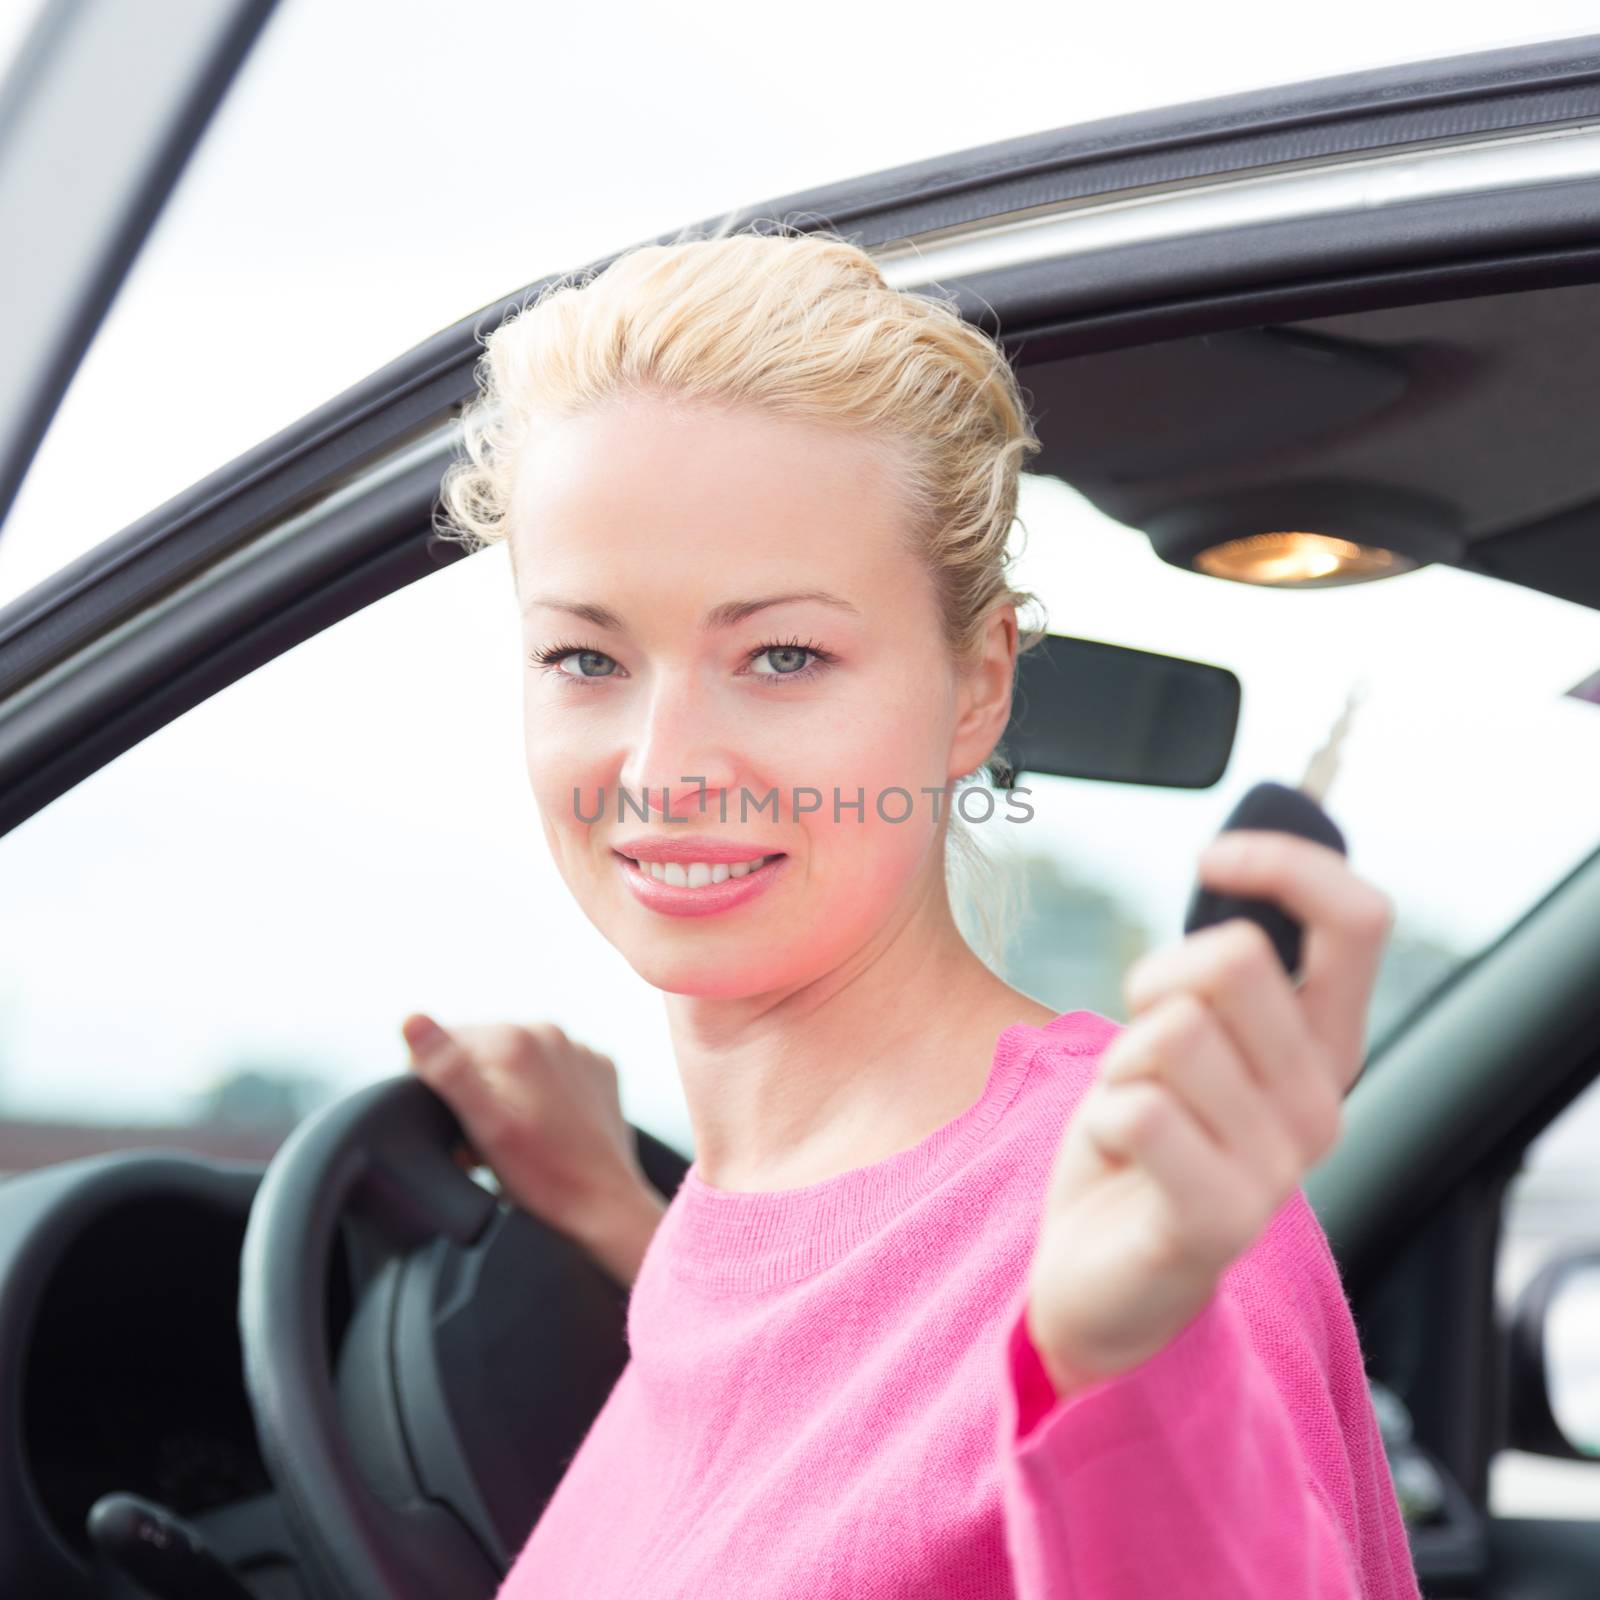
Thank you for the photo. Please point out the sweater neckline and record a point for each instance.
(756, 1239)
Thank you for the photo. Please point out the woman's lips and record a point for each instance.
(676, 901)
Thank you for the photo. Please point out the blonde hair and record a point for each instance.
(801, 325)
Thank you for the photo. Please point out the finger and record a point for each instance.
(419, 1030)
(1180, 1044)
(1232, 968)
(1211, 1208)
(443, 1064)
(1346, 922)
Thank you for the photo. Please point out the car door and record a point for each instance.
(1418, 186)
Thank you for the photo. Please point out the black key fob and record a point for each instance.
(1285, 810)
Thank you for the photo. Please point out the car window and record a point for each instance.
(227, 923)
(365, 184)
(224, 926)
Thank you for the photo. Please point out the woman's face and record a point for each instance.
(645, 537)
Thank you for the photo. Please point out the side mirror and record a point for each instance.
(1086, 709)
(1553, 1382)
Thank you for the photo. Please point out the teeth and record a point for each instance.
(697, 874)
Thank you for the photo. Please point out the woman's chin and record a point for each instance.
(685, 960)
(704, 975)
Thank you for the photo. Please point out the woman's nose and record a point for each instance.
(679, 752)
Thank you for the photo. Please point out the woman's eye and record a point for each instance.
(783, 662)
(789, 660)
(558, 659)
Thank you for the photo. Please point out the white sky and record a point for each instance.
(288, 871)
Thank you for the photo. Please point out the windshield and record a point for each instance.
(1465, 780)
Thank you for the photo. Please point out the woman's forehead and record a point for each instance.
(593, 508)
(637, 447)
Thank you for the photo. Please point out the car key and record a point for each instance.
(1298, 811)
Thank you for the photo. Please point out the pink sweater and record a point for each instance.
(831, 1392)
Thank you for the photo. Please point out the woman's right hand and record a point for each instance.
(545, 1116)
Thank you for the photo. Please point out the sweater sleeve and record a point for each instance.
(1223, 1464)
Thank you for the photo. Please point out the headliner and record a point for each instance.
(1484, 402)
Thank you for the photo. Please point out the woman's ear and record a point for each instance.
(985, 695)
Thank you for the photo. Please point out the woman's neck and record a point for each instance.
(851, 1068)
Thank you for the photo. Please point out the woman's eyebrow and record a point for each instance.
(733, 611)
(720, 616)
(598, 615)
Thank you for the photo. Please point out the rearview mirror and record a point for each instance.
(1086, 709)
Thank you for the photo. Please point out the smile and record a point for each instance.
(697, 874)
(698, 888)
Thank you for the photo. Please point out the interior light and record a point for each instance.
(1307, 535)
(1300, 560)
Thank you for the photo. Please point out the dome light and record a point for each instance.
(1311, 535)
(1299, 560)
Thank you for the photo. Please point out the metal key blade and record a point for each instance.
(1324, 763)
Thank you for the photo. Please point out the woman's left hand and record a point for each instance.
(1225, 1087)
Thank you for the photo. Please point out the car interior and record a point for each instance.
(355, 1370)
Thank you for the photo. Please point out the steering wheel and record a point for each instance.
(422, 1358)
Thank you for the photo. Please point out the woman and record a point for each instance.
(960, 1296)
